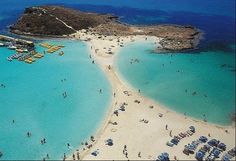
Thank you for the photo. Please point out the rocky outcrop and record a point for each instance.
(55, 20)
(58, 21)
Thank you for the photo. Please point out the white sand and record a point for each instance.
(148, 138)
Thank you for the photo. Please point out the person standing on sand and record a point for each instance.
(126, 154)
(64, 156)
(166, 127)
(175, 158)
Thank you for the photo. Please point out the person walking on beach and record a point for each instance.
(139, 154)
(125, 147)
(170, 133)
(126, 154)
(166, 127)
(78, 156)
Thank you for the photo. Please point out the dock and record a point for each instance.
(51, 48)
(16, 41)
(25, 50)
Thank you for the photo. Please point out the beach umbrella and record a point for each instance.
(222, 146)
(216, 152)
(225, 158)
(199, 155)
(109, 142)
(161, 158)
(192, 128)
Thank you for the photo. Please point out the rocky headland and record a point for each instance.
(61, 21)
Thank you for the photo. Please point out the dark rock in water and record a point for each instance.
(60, 21)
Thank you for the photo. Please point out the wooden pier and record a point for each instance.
(29, 44)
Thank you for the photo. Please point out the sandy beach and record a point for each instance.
(145, 126)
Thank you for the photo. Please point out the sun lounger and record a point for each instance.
(169, 144)
(179, 138)
(189, 132)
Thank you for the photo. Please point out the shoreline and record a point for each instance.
(117, 83)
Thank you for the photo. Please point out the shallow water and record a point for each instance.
(33, 98)
(198, 84)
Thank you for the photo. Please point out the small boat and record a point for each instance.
(31, 59)
(28, 61)
(11, 47)
(25, 50)
(9, 58)
(19, 50)
(38, 55)
(16, 56)
(1, 44)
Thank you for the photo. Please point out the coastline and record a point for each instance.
(107, 130)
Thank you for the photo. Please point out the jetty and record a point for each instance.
(21, 43)
(25, 50)
(51, 48)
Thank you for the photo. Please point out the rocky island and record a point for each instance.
(61, 21)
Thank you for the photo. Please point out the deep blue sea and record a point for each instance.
(215, 18)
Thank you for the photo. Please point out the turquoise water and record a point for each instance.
(33, 98)
(165, 77)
